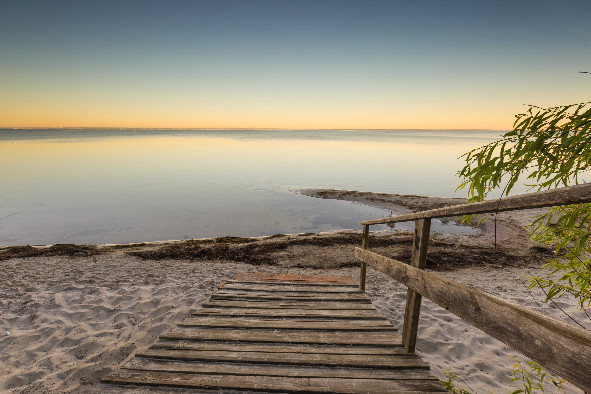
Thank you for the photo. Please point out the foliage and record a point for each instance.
(567, 228)
(532, 377)
(450, 385)
(550, 147)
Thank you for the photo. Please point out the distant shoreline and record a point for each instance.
(228, 128)
(509, 232)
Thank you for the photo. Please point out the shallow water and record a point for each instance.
(119, 186)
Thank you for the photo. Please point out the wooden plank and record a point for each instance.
(293, 289)
(400, 361)
(577, 194)
(271, 383)
(296, 313)
(558, 346)
(275, 370)
(291, 324)
(288, 305)
(288, 283)
(284, 336)
(358, 295)
(290, 297)
(413, 299)
(277, 347)
(363, 268)
(263, 276)
(281, 339)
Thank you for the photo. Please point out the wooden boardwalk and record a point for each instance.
(278, 333)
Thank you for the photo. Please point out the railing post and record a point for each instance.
(364, 242)
(413, 299)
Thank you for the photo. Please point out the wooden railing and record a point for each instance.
(560, 347)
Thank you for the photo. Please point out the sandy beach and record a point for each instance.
(152, 152)
(70, 314)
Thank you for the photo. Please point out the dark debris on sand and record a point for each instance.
(303, 250)
(442, 255)
(54, 250)
(252, 250)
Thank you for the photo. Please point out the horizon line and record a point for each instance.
(244, 128)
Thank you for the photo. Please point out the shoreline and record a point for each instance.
(312, 250)
(507, 236)
(71, 313)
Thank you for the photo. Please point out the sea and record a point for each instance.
(89, 186)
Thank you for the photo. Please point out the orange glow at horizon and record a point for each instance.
(347, 117)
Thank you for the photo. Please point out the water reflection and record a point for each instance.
(95, 186)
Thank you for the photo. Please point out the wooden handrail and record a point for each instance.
(562, 196)
(562, 348)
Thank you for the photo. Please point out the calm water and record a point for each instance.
(119, 186)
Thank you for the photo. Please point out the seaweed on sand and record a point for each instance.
(54, 250)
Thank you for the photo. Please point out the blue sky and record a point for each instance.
(289, 64)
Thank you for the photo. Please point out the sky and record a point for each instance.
(424, 64)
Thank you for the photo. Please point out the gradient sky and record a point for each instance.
(289, 64)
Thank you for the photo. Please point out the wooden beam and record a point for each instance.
(289, 283)
(250, 369)
(286, 336)
(276, 348)
(562, 196)
(294, 289)
(271, 383)
(345, 314)
(413, 299)
(560, 347)
(400, 361)
(291, 324)
(295, 297)
(364, 243)
(287, 305)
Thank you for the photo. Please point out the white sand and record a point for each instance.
(65, 322)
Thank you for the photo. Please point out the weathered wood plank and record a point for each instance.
(293, 345)
(277, 347)
(289, 283)
(275, 370)
(299, 278)
(271, 383)
(562, 196)
(291, 324)
(285, 336)
(363, 267)
(413, 299)
(287, 305)
(292, 312)
(293, 294)
(290, 297)
(401, 361)
(234, 287)
(558, 346)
